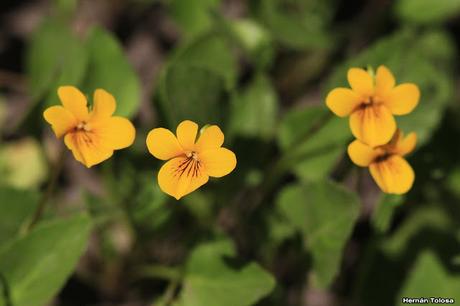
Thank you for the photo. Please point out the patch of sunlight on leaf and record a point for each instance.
(325, 213)
(37, 265)
(22, 164)
(254, 110)
(16, 206)
(453, 182)
(428, 278)
(426, 11)
(109, 68)
(210, 280)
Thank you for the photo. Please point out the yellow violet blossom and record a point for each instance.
(191, 162)
(390, 170)
(371, 103)
(91, 135)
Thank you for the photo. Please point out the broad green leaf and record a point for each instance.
(297, 24)
(314, 140)
(16, 206)
(37, 265)
(55, 57)
(254, 110)
(427, 218)
(325, 213)
(427, 11)
(429, 278)
(426, 65)
(210, 280)
(193, 16)
(255, 40)
(195, 81)
(109, 69)
(22, 164)
(383, 213)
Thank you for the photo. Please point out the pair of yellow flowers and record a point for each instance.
(371, 103)
(93, 135)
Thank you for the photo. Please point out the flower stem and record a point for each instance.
(55, 172)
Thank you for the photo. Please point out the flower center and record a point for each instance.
(192, 155)
(83, 126)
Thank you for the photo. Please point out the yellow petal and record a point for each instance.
(361, 82)
(362, 154)
(61, 120)
(374, 125)
(163, 144)
(342, 101)
(211, 138)
(87, 148)
(218, 162)
(186, 134)
(74, 101)
(405, 145)
(180, 176)
(403, 98)
(104, 104)
(393, 175)
(114, 132)
(384, 81)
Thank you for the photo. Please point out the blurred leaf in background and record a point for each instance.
(37, 265)
(325, 213)
(426, 11)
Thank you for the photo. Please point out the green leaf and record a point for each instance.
(210, 281)
(193, 16)
(15, 208)
(36, 266)
(426, 65)
(314, 140)
(22, 164)
(325, 213)
(428, 278)
(55, 57)
(427, 218)
(254, 111)
(193, 84)
(427, 11)
(386, 206)
(109, 69)
(298, 24)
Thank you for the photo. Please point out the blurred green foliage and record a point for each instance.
(294, 216)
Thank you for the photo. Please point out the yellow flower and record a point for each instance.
(191, 162)
(372, 102)
(390, 170)
(92, 136)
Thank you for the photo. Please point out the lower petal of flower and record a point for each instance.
(87, 148)
(181, 175)
(218, 162)
(393, 175)
(373, 124)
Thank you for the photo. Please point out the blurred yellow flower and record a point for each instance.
(372, 102)
(91, 135)
(390, 170)
(190, 162)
